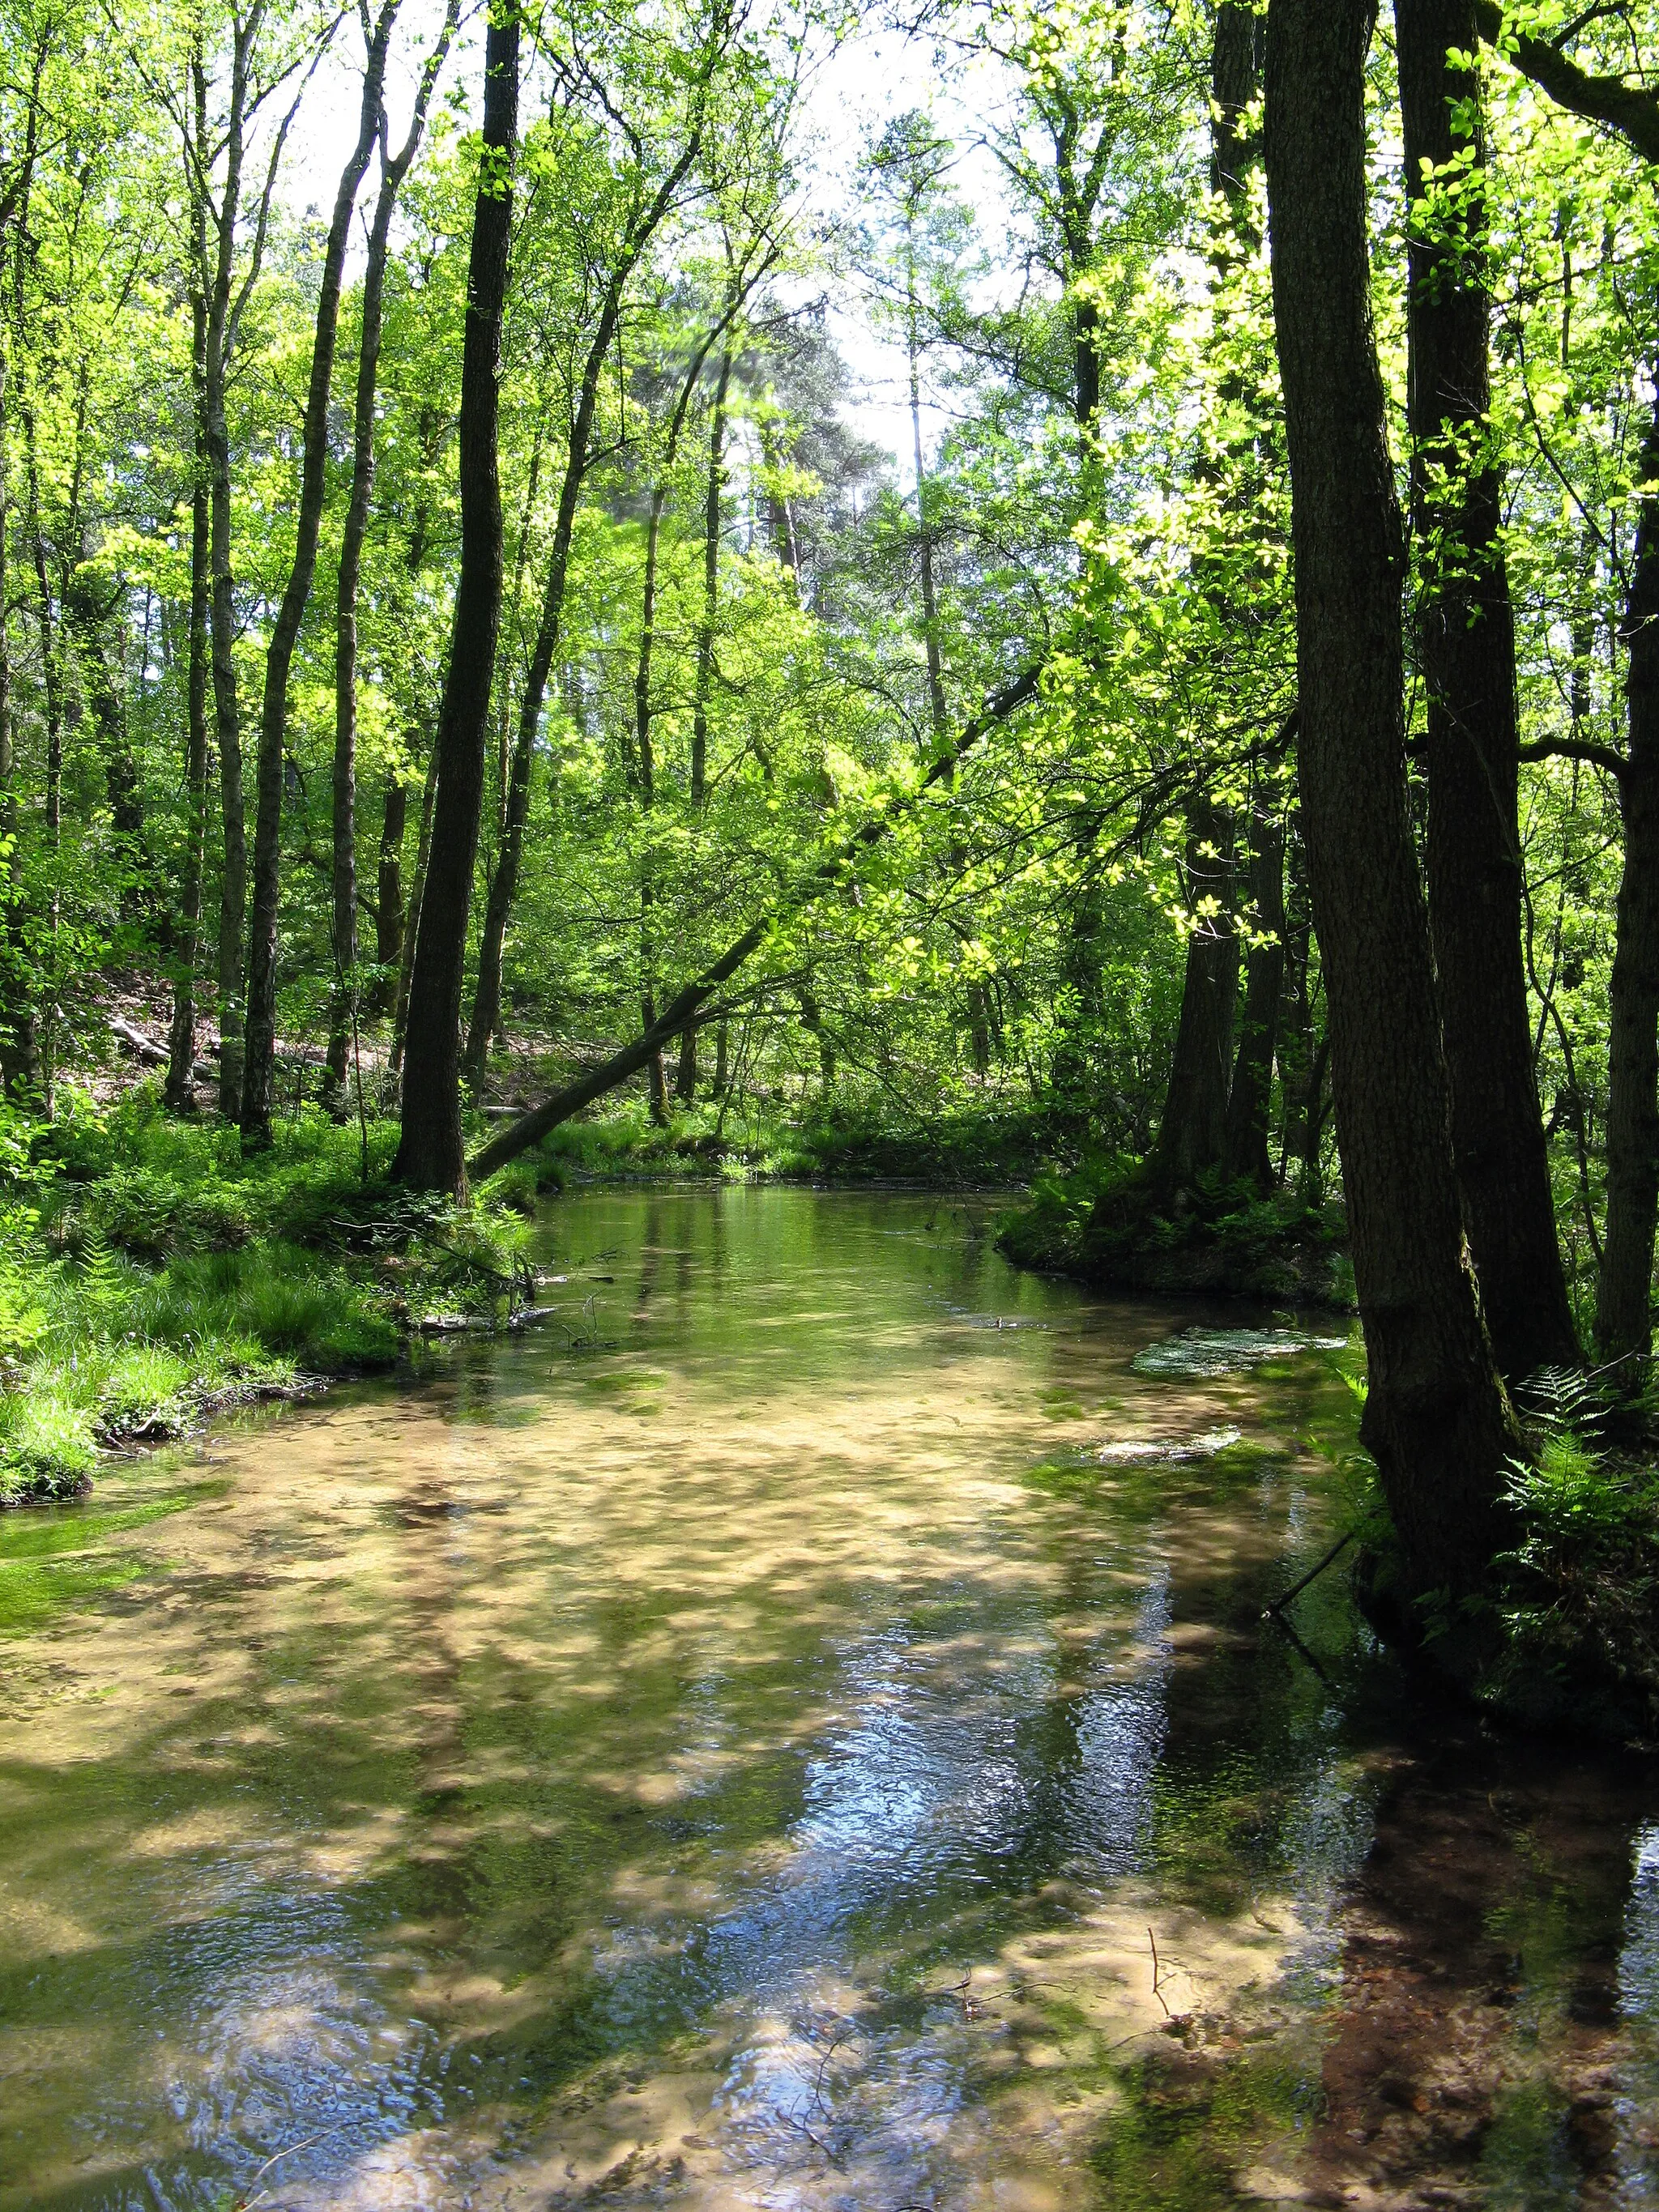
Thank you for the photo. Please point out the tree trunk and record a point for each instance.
(1250, 1099)
(389, 895)
(393, 169)
(106, 697)
(260, 1067)
(1191, 1138)
(1466, 631)
(18, 1057)
(412, 919)
(1623, 1290)
(685, 1079)
(504, 885)
(180, 1087)
(691, 1003)
(430, 1155)
(1437, 1420)
(1194, 1135)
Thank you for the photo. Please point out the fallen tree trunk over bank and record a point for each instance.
(682, 1011)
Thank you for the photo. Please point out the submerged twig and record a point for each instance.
(1278, 1605)
(1157, 1972)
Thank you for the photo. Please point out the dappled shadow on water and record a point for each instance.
(824, 1751)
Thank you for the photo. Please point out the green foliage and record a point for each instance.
(159, 1277)
(1109, 1223)
(1579, 1591)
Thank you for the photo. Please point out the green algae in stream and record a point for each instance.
(55, 1560)
(1186, 2134)
(1150, 1470)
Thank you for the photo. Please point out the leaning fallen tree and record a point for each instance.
(682, 1011)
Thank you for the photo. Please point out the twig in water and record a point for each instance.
(817, 2142)
(1296, 1589)
(286, 2152)
(844, 2036)
(1281, 1622)
(1157, 1972)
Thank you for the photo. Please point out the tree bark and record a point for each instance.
(389, 895)
(1623, 1290)
(412, 919)
(180, 1086)
(18, 1057)
(1193, 1135)
(1437, 1420)
(1191, 1138)
(430, 1155)
(393, 169)
(1250, 1097)
(503, 889)
(1465, 638)
(260, 1065)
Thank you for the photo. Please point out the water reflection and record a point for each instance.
(822, 1750)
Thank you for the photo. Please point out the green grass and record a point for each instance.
(149, 1275)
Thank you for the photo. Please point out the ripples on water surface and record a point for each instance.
(790, 1734)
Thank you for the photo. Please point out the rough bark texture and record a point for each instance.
(430, 1155)
(1249, 1100)
(1437, 1420)
(260, 1067)
(180, 1092)
(1466, 635)
(1191, 1138)
(389, 895)
(412, 921)
(1624, 1295)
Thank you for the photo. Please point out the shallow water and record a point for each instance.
(796, 1729)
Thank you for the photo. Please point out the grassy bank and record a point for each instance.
(150, 1275)
(808, 1142)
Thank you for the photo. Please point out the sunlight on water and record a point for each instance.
(794, 1729)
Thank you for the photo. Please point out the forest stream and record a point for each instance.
(795, 1728)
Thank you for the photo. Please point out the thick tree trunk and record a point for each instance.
(1193, 1135)
(180, 1088)
(430, 1155)
(1466, 631)
(504, 885)
(393, 169)
(1191, 1138)
(1250, 1099)
(1623, 1290)
(260, 1067)
(412, 919)
(1437, 1420)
